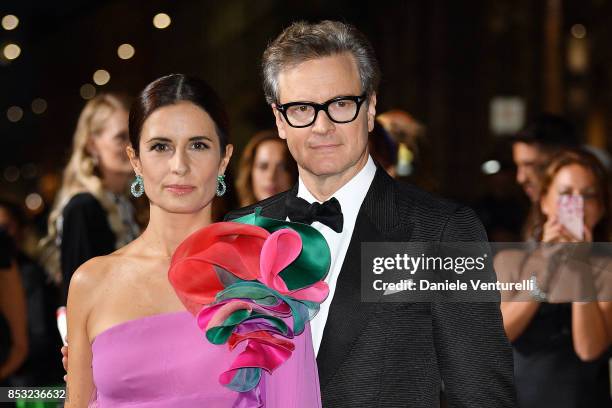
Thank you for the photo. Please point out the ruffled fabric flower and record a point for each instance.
(255, 280)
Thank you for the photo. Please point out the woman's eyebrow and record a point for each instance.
(196, 138)
(166, 139)
(158, 139)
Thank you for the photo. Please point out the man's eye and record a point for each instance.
(159, 147)
(303, 108)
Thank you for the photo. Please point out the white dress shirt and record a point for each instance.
(350, 196)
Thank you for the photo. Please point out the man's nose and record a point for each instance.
(521, 177)
(323, 123)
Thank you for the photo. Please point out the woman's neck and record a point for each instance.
(166, 231)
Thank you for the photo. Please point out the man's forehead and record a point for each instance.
(524, 149)
(320, 79)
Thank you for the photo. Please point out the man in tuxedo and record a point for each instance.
(321, 80)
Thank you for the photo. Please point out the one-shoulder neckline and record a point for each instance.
(136, 320)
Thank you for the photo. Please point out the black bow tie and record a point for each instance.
(328, 213)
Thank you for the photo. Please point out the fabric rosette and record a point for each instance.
(255, 280)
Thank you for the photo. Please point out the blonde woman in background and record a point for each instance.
(91, 215)
(266, 168)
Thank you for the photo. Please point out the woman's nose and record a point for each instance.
(179, 164)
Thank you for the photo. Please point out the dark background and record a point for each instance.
(442, 61)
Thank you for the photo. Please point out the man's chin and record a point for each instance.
(323, 169)
(532, 194)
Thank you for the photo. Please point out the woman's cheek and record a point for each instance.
(592, 215)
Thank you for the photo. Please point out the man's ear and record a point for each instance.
(134, 160)
(280, 123)
(371, 111)
(229, 149)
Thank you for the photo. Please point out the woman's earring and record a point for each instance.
(221, 187)
(137, 187)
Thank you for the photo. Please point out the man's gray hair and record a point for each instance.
(303, 41)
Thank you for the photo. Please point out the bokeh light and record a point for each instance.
(125, 51)
(34, 202)
(161, 21)
(11, 174)
(491, 167)
(579, 31)
(87, 91)
(101, 77)
(14, 114)
(39, 105)
(10, 22)
(11, 51)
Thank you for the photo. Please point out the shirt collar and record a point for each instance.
(351, 195)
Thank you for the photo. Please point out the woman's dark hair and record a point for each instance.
(172, 89)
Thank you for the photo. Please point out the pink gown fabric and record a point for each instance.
(165, 361)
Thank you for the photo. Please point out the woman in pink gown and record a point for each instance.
(193, 314)
(164, 361)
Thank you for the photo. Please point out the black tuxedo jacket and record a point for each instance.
(398, 354)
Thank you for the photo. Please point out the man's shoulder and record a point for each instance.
(434, 218)
(417, 201)
(265, 205)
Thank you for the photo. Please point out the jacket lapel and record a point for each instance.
(348, 315)
(278, 209)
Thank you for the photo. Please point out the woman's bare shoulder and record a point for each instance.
(95, 271)
(91, 277)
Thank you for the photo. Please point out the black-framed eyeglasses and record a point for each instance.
(341, 109)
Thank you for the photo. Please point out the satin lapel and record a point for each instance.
(278, 210)
(348, 315)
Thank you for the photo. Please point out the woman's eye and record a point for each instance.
(200, 145)
(159, 147)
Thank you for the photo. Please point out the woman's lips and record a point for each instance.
(180, 189)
